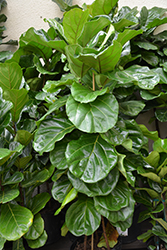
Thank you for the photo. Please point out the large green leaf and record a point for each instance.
(11, 76)
(5, 116)
(19, 98)
(24, 137)
(82, 218)
(103, 61)
(2, 242)
(15, 221)
(61, 188)
(78, 67)
(131, 108)
(161, 114)
(51, 131)
(35, 178)
(38, 202)
(8, 195)
(39, 242)
(73, 23)
(22, 162)
(40, 67)
(36, 228)
(100, 7)
(84, 94)
(95, 26)
(16, 177)
(18, 244)
(97, 116)
(90, 158)
(114, 201)
(160, 145)
(127, 35)
(5, 155)
(103, 187)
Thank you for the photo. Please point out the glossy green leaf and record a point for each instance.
(122, 24)
(103, 187)
(51, 131)
(16, 177)
(38, 202)
(15, 221)
(162, 222)
(95, 26)
(35, 178)
(153, 194)
(41, 69)
(2, 242)
(97, 116)
(105, 60)
(24, 137)
(131, 108)
(153, 135)
(90, 158)
(160, 145)
(73, 23)
(82, 217)
(8, 195)
(5, 155)
(158, 230)
(101, 7)
(84, 94)
(57, 155)
(21, 163)
(116, 135)
(56, 25)
(161, 114)
(117, 199)
(61, 188)
(124, 225)
(78, 67)
(153, 158)
(39, 242)
(36, 228)
(11, 76)
(68, 198)
(19, 97)
(150, 58)
(146, 45)
(127, 35)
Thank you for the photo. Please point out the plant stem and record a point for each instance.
(85, 242)
(92, 242)
(104, 233)
(93, 82)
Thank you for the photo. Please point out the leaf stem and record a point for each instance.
(85, 242)
(92, 242)
(104, 233)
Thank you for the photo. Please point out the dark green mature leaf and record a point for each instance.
(36, 228)
(105, 60)
(63, 4)
(8, 195)
(161, 114)
(73, 23)
(131, 108)
(116, 135)
(156, 22)
(78, 67)
(39, 242)
(38, 202)
(13, 179)
(97, 116)
(146, 45)
(103, 7)
(103, 187)
(114, 201)
(41, 69)
(23, 137)
(57, 155)
(51, 131)
(122, 24)
(61, 188)
(22, 162)
(18, 244)
(158, 230)
(95, 26)
(127, 35)
(150, 58)
(82, 218)
(90, 158)
(84, 94)
(123, 225)
(15, 221)
(11, 76)
(19, 97)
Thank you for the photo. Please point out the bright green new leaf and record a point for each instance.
(15, 221)
(11, 76)
(90, 158)
(19, 97)
(101, 7)
(5, 155)
(51, 131)
(153, 158)
(97, 116)
(36, 228)
(103, 187)
(95, 26)
(84, 94)
(82, 218)
(153, 135)
(73, 23)
(160, 145)
(8, 195)
(2, 242)
(127, 35)
(39, 242)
